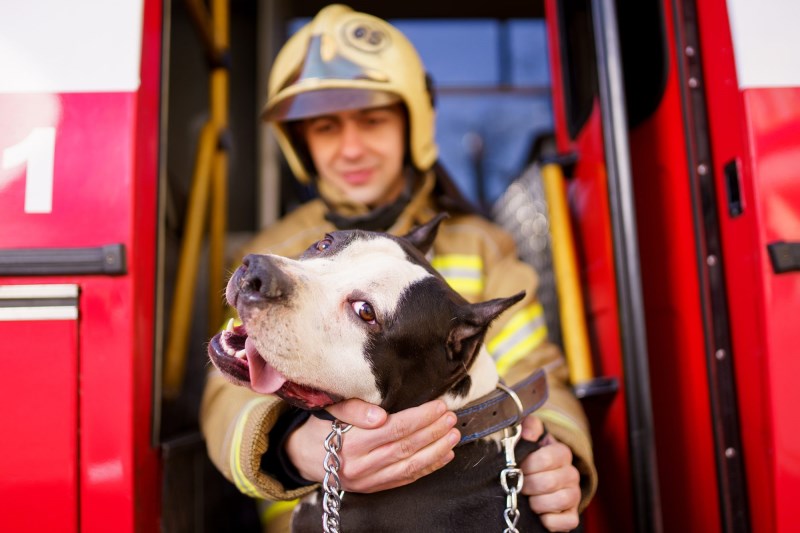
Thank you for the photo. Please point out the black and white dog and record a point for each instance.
(364, 315)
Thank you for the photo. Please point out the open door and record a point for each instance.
(591, 126)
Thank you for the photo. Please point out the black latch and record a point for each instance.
(731, 171)
(103, 260)
(785, 256)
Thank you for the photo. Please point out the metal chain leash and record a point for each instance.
(511, 477)
(331, 484)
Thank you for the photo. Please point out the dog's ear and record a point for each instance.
(422, 237)
(466, 337)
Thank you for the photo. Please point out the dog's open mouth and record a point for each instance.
(234, 354)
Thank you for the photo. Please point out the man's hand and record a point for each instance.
(552, 483)
(381, 451)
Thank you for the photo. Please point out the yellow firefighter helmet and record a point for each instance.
(344, 60)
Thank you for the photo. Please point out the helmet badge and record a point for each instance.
(365, 35)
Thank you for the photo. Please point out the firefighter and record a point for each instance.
(353, 113)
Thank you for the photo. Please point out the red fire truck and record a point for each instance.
(673, 186)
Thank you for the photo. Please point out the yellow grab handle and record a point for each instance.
(568, 286)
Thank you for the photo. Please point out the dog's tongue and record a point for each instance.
(263, 378)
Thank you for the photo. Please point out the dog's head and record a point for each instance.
(359, 315)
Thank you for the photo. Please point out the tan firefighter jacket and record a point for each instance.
(479, 260)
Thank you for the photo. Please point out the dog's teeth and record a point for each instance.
(241, 354)
(230, 325)
(230, 351)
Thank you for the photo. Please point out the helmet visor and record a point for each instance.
(327, 101)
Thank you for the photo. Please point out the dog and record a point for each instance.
(364, 315)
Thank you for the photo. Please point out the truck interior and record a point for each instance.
(526, 92)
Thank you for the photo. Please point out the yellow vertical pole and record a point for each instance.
(183, 296)
(216, 248)
(568, 286)
(220, 79)
(209, 184)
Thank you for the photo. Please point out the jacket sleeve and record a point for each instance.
(236, 422)
(518, 342)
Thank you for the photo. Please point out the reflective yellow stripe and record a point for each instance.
(524, 332)
(520, 350)
(239, 478)
(473, 262)
(465, 286)
(275, 509)
(463, 272)
(548, 413)
(521, 319)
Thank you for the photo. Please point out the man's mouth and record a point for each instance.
(357, 177)
(234, 354)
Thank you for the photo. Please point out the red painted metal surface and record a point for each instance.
(773, 161)
(38, 454)
(104, 191)
(675, 337)
(773, 126)
(144, 239)
(759, 129)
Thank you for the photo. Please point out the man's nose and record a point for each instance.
(352, 140)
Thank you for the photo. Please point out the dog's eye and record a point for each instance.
(324, 244)
(364, 311)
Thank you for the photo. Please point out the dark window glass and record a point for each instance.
(579, 69)
(493, 96)
(644, 56)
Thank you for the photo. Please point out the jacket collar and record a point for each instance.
(414, 206)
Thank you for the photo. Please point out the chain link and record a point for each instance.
(511, 479)
(331, 484)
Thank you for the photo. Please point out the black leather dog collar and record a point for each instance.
(498, 410)
(493, 412)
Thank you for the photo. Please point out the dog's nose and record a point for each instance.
(262, 279)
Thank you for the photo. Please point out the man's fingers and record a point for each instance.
(563, 521)
(359, 413)
(404, 423)
(550, 457)
(398, 473)
(406, 447)
(552, 481)
(556, 502)
(532, 428)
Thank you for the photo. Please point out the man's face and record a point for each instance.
(360, 152)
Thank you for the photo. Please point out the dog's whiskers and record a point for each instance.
(479, 461)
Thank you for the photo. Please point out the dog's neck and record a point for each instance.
(483, 380)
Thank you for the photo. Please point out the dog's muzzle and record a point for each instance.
(238, 360)
(258, 283)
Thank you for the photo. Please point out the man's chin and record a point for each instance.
(370, 193)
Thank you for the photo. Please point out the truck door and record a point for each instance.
(591, 125)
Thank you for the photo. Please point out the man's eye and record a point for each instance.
(375, 120)
(321, 126)
(364, 311)
(324, 244)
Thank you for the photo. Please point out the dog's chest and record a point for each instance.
(463, 496)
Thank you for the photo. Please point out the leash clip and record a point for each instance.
(511, 478)
(513, 433)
